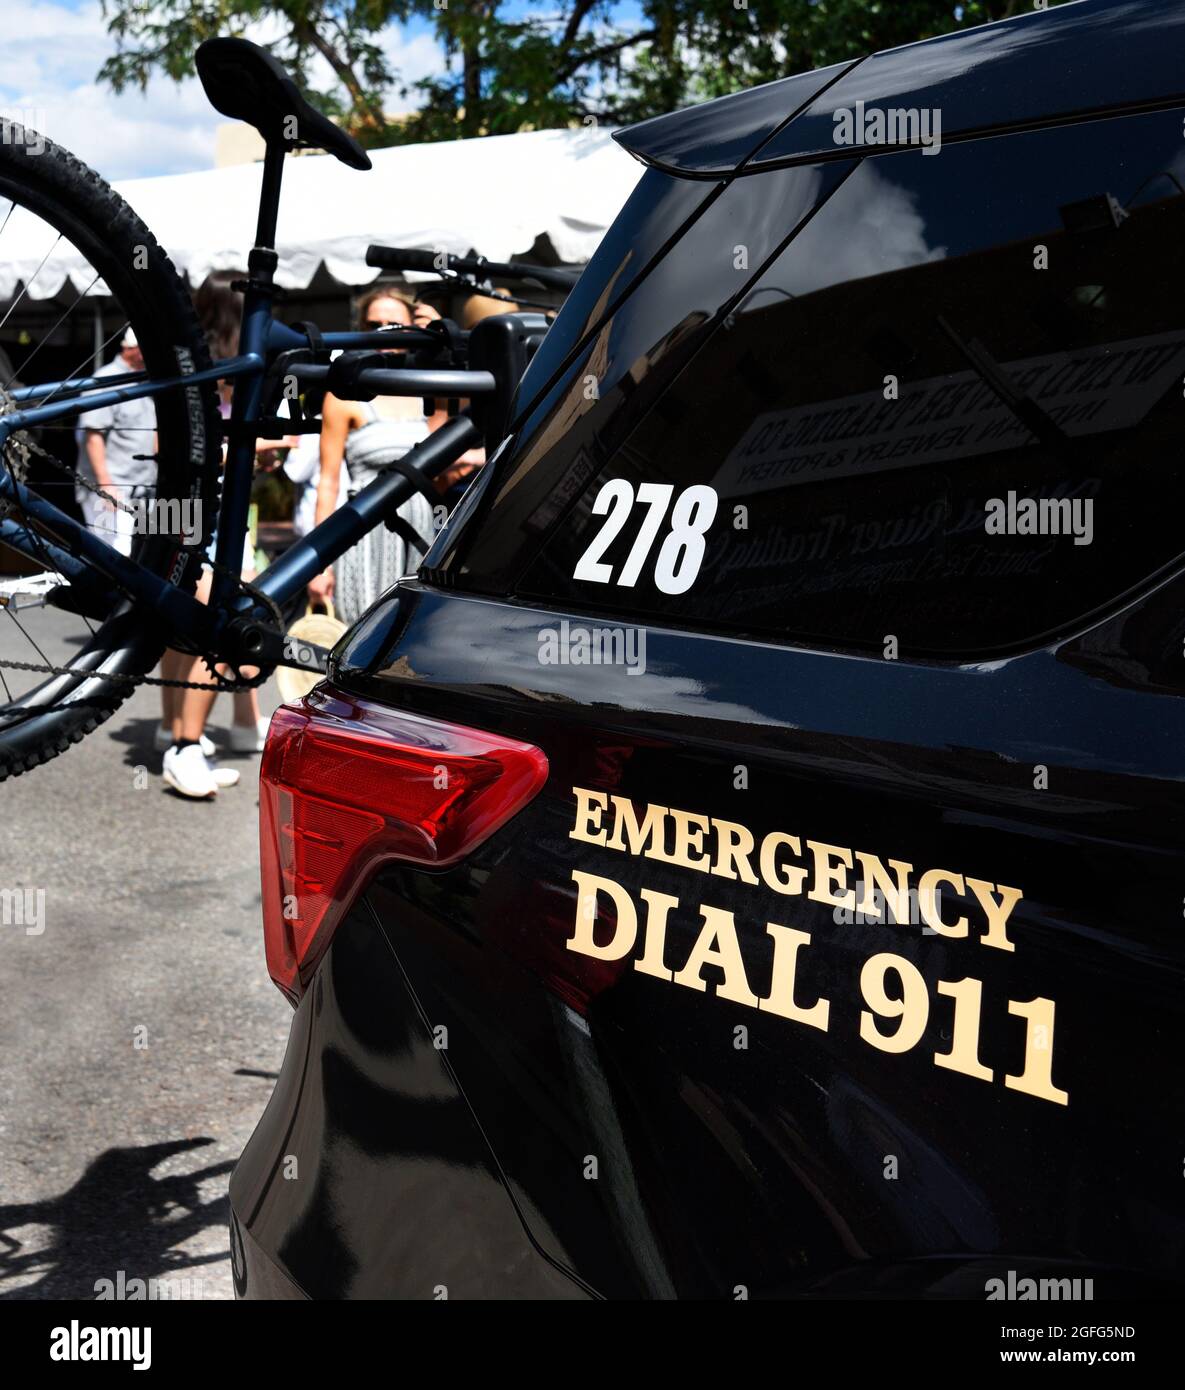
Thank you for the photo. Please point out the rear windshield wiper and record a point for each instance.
(1019, 402)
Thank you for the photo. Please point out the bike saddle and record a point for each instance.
(245, 82)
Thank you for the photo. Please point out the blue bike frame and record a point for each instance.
(90, 563)
(232, 626)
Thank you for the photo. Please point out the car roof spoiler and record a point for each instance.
(1079, 60)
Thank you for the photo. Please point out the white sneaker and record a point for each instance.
(188, 771)
(162, 741)
(248, 738)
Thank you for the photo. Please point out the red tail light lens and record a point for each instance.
(346, 784)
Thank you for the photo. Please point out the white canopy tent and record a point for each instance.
(495, 196)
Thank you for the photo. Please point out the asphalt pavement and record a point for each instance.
(140, 1035)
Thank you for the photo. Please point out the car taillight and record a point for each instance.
(346, 784)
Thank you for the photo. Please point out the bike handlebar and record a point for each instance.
(440, 262)
(403, 381)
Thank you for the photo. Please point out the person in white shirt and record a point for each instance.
(116, 452)
(303, 467)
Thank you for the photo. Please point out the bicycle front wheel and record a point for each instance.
(78, 269)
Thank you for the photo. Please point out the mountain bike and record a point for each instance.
(129, 608)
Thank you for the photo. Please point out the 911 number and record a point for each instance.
(907, 1007)
(682, 552)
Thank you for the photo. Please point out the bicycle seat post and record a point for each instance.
(269, 195)
(259, 294)
(246, 83)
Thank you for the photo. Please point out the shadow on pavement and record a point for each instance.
(116, 1217)
(137, 735)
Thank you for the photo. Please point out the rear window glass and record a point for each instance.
(950, 412)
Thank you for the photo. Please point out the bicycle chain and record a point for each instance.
(25, 446)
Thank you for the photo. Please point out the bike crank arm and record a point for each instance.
(260, 644)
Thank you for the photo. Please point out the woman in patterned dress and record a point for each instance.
(368, 435)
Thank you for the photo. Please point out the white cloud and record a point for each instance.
(872, 226)
(48, 65)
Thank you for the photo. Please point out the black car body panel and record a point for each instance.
(658, 1036)
(764, 1167)
(367, 1106)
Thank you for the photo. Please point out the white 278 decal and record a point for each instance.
(682, 551)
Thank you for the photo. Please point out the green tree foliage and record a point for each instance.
(524, 64)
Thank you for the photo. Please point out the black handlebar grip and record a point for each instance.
(397, 258)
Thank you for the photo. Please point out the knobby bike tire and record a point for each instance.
(48, 181)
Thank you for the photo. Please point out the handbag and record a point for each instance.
(323, 629)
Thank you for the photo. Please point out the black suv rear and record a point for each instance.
(747, 861)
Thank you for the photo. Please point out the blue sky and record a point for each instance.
(52, 50)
